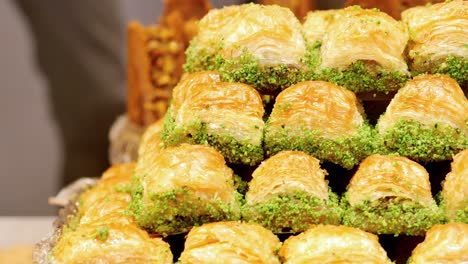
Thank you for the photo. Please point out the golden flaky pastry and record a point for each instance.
(425, 100)
(446, 244)
(391, 195)
(316, 24)
(317, 105)
(455, 187)
(109, 199)
(230, 242)
(182, 187)
(288, 193)
(380, 176)
(438, 30)
(322, 119)
(272, 34)
(151, 141)
(355, 34)
(231, 109)
(200, 169)
(391, 7)
(110, 243)
(299, 7)
(187, 86)
(287, 172)
(329, 244)
(225, 115)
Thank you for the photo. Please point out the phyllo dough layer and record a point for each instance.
(184, 186)
(455, 189)
(230, 242)
(390, 195)
(327, 244)
(227, 116)
(446, 244)
(288, 193)
(438, 35)
(427, 120)
(254, 44)
(359, 49)
(321, 119)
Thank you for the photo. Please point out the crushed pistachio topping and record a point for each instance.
(293, 212)
(392, 215)
(177, 211)
(361, 76)
(453, 66)
(424, 143)
(344, 151)
(234, 151)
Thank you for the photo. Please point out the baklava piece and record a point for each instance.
(101, 231)
(226, 116)
(262, 46)
(289, 193)
(184, 186)
(446, 244)
(333, 244)
(390, 195)
(438, 39)
(110, 243)
(323, 120)
(108, 201)
(359, 49)
(455, 189)
(151, 141)
(427, 120)
(230, 242)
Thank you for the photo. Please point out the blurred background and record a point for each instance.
(31, 151)
(44, 85)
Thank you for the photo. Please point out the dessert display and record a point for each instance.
(282, 142)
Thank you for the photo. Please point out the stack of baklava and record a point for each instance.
(270, 116)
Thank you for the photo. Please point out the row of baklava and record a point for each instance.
(235, 242)
(427, 120)
(102, 231)
(176, 188)
(360, 49)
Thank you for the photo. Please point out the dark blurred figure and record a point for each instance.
(79, 47)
